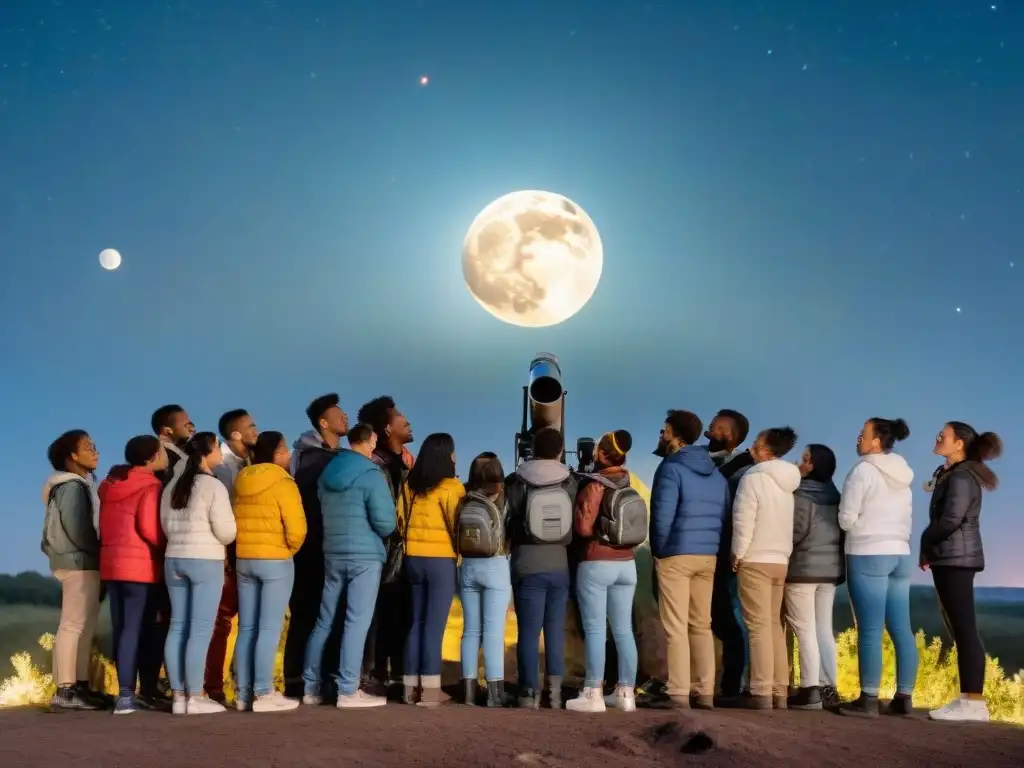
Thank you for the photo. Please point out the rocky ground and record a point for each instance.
(455, 736)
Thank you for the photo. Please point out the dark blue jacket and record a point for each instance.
(689, 502)
(358, 509)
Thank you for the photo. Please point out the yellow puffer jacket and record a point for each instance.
(428, 522)
(268, 512)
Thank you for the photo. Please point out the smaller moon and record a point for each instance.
(110, 258)
(424, 80)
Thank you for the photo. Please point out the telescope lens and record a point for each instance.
(545, 389)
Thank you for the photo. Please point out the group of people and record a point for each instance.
(366, 548)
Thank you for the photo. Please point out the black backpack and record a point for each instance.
(622, 519)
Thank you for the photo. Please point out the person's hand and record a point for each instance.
(735, 563)
(923, 566)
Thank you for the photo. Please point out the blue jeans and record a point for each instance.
(604, 591)
(194, 587)
(138, 636)
(880, 597)
(485, 589)
(541, 600)
(358, 581)
(432, 587)
(264, 587)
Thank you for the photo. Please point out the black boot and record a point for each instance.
(469, 692)
(68, 699)
(529, 698)
(555, 692)
(829, 697)
(864, 706)
(806, 698)
(900, 705)
(496, 693)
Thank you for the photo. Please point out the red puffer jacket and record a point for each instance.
(131, 539)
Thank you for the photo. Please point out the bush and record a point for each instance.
(937, 680)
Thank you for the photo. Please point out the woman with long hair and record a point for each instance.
(605, 582)
(485, 584)
(816, 567)
(427, 516)
(196, 517)
(951, 546)
(271, 528)
(875, 512)
(132, 567)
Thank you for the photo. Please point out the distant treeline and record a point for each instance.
(29, 588)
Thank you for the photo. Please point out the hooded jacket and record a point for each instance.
(817, 556)
(268, 513)
(527, 556)
(732, 466)
(428, 521)
(131, 540)
(176, 461)
(585, 512)
(310, 457)
(227, 471)
(876, 509)
(69, 525)
(953, 535)
(204, 528)
(762, 514)
(358, 510)
(689, 502)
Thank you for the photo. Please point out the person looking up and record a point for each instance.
(427, 512)
(485, 587)
(311, 454)
(606, 575)
(816, 567)
(951, 546)
(540, 564)
(725, 434)
(196, 517)
(172, 425)
(271, 528)
(875, 512)
(238, 438)
(762, 540)
(689, 502)
(358, 515)
(132, 565)
(71, 545)
(385, 642)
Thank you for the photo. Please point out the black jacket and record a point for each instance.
(953, 535)
(311, 465)
(817, 538)
(732, 470)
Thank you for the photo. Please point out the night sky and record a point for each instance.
(808, 214)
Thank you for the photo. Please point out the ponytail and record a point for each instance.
(979, 448)
(196, 449)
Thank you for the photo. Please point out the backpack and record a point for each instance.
(622, 519)
(548, 518)
(481, 527)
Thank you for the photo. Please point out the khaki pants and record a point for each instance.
(684, 600)
(762, 587)
(79, 609)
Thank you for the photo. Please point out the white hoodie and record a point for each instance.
(762, 514)
(876, 507)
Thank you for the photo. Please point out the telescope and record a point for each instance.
(544, 406)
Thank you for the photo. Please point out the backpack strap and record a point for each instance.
(606, 482)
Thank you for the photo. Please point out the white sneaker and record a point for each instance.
(589, 700)
(179, 704)
(623, 697)
(243, 705)
(360, 700)
(962, 710)
(201, 705)
(312, 700)
(274, 702)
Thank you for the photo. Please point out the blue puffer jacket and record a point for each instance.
(689, 502)
(358, 510)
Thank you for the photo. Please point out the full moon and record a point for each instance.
(532, 258)
(110, 258)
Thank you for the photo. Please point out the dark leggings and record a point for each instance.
(955, 588)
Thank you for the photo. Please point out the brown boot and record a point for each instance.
(780, 702)
(700, 701)
(430, 693)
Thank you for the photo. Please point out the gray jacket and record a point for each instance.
(953, 535)
(817, 539)
(69, 535)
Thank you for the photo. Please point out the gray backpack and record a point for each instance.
(622, 520)
(481, 527)
(548, 514)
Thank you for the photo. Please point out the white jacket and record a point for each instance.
(205, 527)
(762, 514)
(876, 509)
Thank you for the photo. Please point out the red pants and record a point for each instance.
(218, 652)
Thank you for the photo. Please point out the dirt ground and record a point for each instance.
(455, 736)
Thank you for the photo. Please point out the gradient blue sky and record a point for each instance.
(794, 199)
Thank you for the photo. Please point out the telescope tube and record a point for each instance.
(546, 396)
